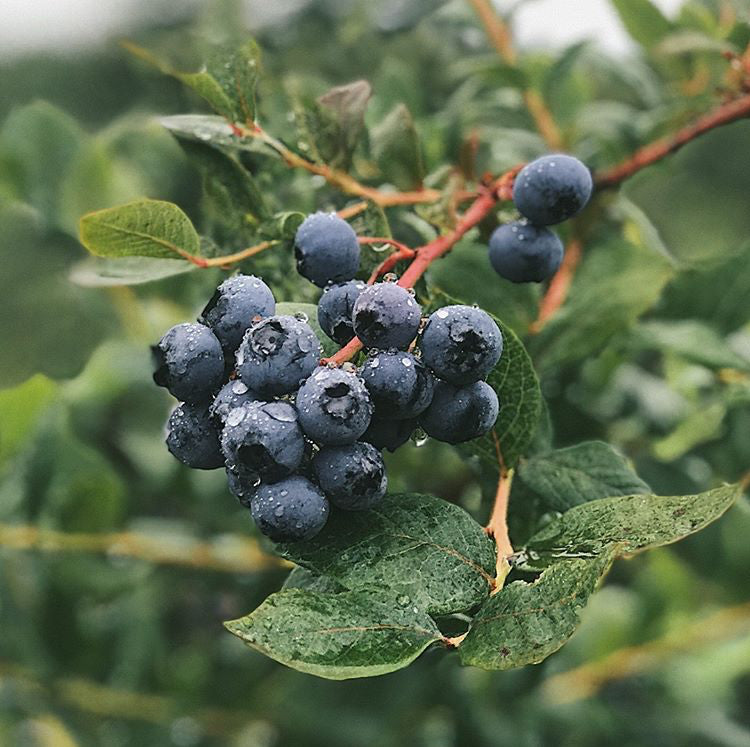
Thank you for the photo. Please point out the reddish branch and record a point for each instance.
(424, 256)
(402, 252)
(650, 154)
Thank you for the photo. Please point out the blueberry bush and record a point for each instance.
(452, 332)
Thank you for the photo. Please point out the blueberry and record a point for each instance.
(242, 487)
(389, 434)
(399, 384)
(291, 510)
(552, 189)
(189, 362)
(335, 310)
(524, 253)
(334, 407)
(263, 439)
(461, 344)
(352, 477)
(233, 394)
(193, 438)
(386, 316)
(326, 249)
(460, 414)
(235, 304)
(277, 354)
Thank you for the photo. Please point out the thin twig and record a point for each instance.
(723, 115)
(230, 259)
(501, 39)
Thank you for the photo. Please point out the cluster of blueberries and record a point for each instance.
(296, 435)
(546, 192)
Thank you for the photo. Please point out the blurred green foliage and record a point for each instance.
(650, 354)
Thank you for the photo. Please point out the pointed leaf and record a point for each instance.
(643, 21)
(342, 109)
(396, 148)
(337, 636)
(525, 623)
(581, 473)
(424, 551)
(102, 273)
(146, 228)
(637, 522)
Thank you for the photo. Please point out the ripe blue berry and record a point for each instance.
(233, 394)
(352, 477)
(193, 438)
(326, 249)
(334, 407)
(461, 344)
(386, 316)
(189, 362)
(277, 354)
(399, 384)
(389, 434)
(524, 253)
(235, 304)
(242, 487)
(552, 189)
(291, 510)
(458, 415)
(263, 439)
(335, 310)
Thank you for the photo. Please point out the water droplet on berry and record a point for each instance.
(236, 416)
(390, 277)
(300, 316)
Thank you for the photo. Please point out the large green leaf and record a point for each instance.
(396, 148)
(525, 623)
(635, 522)
(617, 282)
(696, 198)
(422, 550)
(146, 228)
(643, 20)
(102, 273)
(581, 473)
(692, 340)
(337, 636)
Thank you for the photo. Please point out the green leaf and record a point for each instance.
(695, 199)
(643, 21)
(396, 148)
(701, 425)
(581, 473)
(337, 636)
(687, 41)
(691, 340)
(145, 228)
(310, 310)
(334, 122)
(525, 623)
(424, 551)
(301, 578)
(102, 273)
(616, 283)
(20, 409)
(227, 81)
(635, 522)
(210, 130)
(67, 322)
(39, 146)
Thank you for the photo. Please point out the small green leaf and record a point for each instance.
(310, 310)
(635, 522)
(424, 551)
(145, 228)
(581, 473)
(694, 341)
(643, 21)
(210, 130)
(701, 425)
(337, 636)
(227, 82)
(525, 623)
(396, 148)
(102, 273)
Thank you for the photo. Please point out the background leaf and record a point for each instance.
(396, 148)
